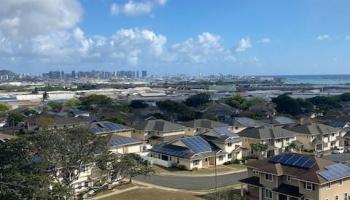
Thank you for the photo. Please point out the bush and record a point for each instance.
(181, 167)
(198, 100)
(195, 169)
(137, 104)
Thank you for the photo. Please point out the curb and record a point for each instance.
(200, 175)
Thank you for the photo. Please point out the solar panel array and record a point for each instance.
(104, 127)
(294, 160)
(172, 151)
(121, 141)
(197, 144)
(335, 172)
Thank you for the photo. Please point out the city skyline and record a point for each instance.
(170, 37)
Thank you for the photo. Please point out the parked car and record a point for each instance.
(338, 150)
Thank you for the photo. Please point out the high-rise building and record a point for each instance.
(144, 74)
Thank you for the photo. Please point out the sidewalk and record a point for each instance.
(222, 170)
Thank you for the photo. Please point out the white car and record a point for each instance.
(338, 150)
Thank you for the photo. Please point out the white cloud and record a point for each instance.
(323, 37)
(134, 8)
(244, 44)
(23, 18)
(264, 40)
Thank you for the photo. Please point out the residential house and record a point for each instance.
(158, 131)
(276, 138)
(124, 145)
(228, 142)
(221, 111)
(202, 125)
(188, 153)
(296, 177)
(241, 123)
(106, 127)
(283, 120)
(316, 136)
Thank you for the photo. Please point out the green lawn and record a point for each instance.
(153, 194)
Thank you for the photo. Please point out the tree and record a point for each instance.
(131, 165)
(345, 97)
(197, 100)
(45, 96)
(72, 103)
(258, 149)
(14, 118)
(236, 101)
(178, 110)
(136, 104)
(288, 105)
(4, 107)
(67, 152)
(95, 100)
(22, 176)
(55, 106)
(296, 146)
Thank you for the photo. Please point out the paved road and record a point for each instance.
(192, 183)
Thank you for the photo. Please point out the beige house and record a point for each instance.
(276, 138)
(211, 148)
(318, 137)
(188, 153)
(241, 123)
(158, 131)
(202, 125)
(123, 145)
(296, 177)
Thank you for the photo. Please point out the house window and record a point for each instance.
(255, 172)
(289, 178)
(229, 144)
(229, 156)
(195, 162)
(221, 158)
(268, 177)
(336, 197)
(346, 196)
(340, 182)
(308, 186)
(268, 194)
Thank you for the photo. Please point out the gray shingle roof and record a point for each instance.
(282, 120)
(107, 127)
(204, 123)
(159, 125)
(267, 132)
(311, 129)
(120, 141)
(247, 122)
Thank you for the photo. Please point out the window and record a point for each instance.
(336, 197)
(308, 186)
(255, 172)
(268, 177)
(268, 194)
(340, 182)
(289, 178)
(196, 162)
(221, 158)
(229, 156)
(229, 144)
(346, 196)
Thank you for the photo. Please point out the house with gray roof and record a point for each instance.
(122, 145)
(201, 125)
(241, 123)
(158, 129)
(188, 152)
(317, 136)
(221, 111)
(275, 138)
(229, 142)
(106, 127)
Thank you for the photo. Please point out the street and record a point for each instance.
(192, 183)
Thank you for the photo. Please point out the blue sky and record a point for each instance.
(177, 36)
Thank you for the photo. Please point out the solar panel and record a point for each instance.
(335, 172)
(197, 144)
(172, 152)
(294, 160)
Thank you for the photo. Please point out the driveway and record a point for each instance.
(193, 183)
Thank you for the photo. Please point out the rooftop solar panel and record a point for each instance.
(197, 144)
(294, 160)
(335, 172)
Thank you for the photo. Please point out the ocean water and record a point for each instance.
(316, 79)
